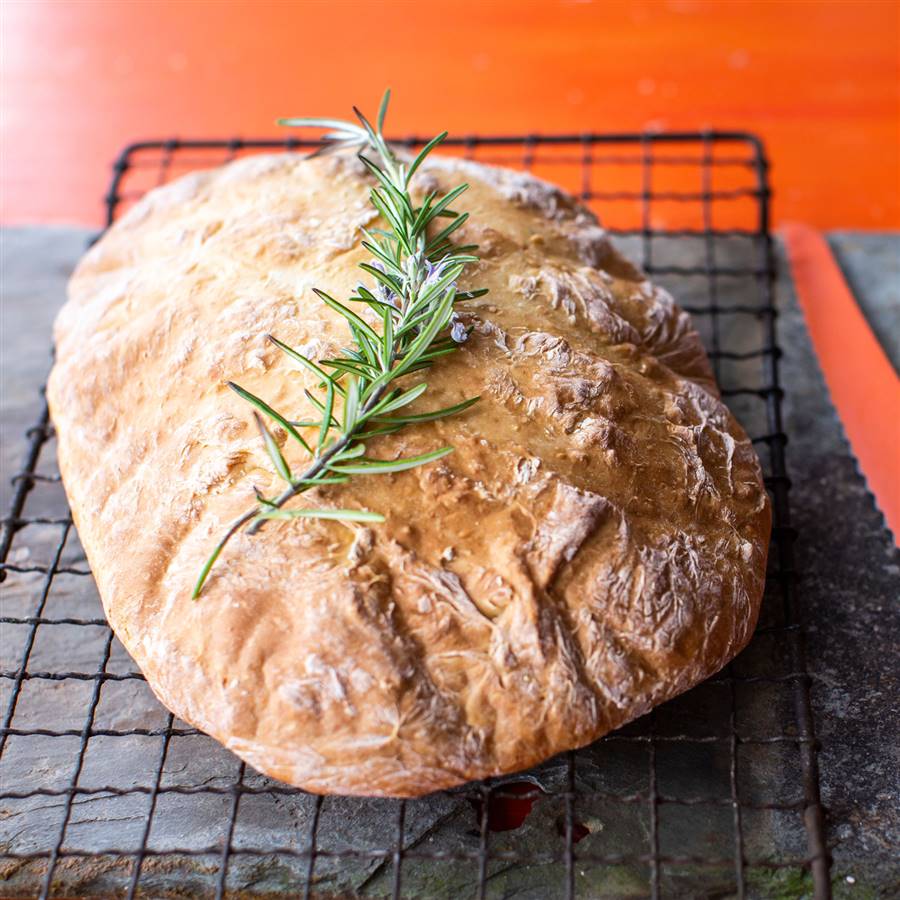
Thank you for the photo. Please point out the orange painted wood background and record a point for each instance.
(818, 80)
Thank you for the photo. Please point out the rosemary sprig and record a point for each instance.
(412, 293)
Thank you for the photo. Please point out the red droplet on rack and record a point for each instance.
(508, 805)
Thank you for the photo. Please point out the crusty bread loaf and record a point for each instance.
(595, 545)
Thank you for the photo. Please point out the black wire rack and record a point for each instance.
(713, 794)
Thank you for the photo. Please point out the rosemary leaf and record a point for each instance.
(319, 405)
(445, 233)
(321, 479)
(375, 249)
(349, 367)
(337, 124)
(351, 405)
(387, 339)
(382, 109)
(389, 281)
(388, 406)
(345, 515)
(429, 416)
(427, 334)
(377, 432)
(368, 347)
(348, 314)
(438, 139)
(274, 451)
(326, 415)
(298, 357)
(364, 466)
(440, 208)
(271, 413)
(353, 451)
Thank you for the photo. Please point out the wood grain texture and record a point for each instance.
(818, 80)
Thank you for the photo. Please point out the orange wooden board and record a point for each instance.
(818, 80)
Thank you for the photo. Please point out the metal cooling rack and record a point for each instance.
(713, 794)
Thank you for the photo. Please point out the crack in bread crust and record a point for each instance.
(595, 544)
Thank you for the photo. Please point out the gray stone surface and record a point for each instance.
(34, 265)
(848, 588)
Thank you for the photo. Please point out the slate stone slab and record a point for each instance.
(849, 588)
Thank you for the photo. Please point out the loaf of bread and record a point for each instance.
(595, 545)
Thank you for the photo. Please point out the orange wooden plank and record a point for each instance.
(863, 385)
(818, 80)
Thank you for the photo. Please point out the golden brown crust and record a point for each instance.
(595, 545)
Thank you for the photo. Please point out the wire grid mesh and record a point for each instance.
(713, 794)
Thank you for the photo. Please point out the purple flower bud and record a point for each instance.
(433, 272)
(457, 330)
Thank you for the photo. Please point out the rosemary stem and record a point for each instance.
(413, 294)
(315, 469)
